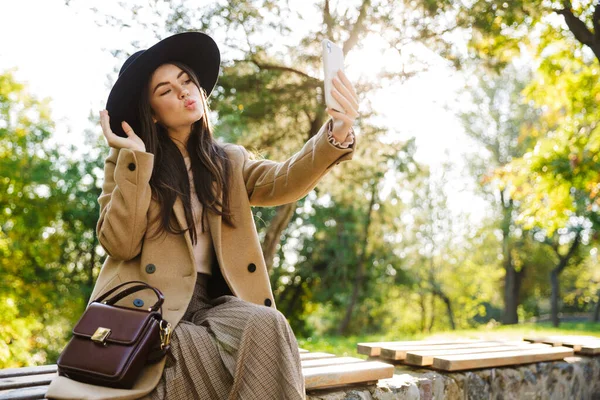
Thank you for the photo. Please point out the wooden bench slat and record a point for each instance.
(589, 345)
(336, 375)
(374, 348)
(315, 355)
(321, 362)
(473, 361)
(42, 369)
(425, 358)
(590, 348)
(399, 353)
(15, 382)
(30, 393)
(564, 338)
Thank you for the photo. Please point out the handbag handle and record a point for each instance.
(127, 292)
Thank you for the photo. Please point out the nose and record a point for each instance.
(184, 93)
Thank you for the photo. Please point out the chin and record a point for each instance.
(199, 116)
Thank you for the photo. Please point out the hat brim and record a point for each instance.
(196, 49)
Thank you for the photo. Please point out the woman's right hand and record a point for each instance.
(132, 141)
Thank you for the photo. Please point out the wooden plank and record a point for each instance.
(399, 353)
(321, 362)
(302, 350)
(553, 341)
(564, 338)
(373, 349)
(577, 342)
(488, 360)
(43, 369)
(591, 348)
(15, 382)
(315, 355)
(425, 358)
(37, 392)
(336, 375)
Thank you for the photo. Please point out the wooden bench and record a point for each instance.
(585, 345)
(321, 371)
(465, 354)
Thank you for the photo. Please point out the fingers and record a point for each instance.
(104, 121)
(349, 108)
(345, 92)
(127, 128)
(348, 85)
(111, 138)
(339, 115)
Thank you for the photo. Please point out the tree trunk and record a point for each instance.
(360, 265)
(284, 212)
(512, 281)
(580, 29)
(596, 313)
(432, 316)
(512, 288)
(446, 300)
(297, 291)
(439, 293)
(280, 221)
(554, 297)
(423, 315)
(555, 275)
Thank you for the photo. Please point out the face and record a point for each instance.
(170, 90)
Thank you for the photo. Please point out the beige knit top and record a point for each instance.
(204, 251)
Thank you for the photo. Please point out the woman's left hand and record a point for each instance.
(344, 93)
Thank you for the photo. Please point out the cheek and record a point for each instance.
(163, 107)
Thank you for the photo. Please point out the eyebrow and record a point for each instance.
(166, 83)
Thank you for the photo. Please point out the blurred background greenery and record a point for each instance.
(375, 252)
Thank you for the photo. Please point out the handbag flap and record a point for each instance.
(125, 324)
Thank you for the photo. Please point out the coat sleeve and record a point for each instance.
(271, 183)
(124, 202)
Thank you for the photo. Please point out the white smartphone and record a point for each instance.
(333, 61)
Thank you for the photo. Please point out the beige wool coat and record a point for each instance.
(167, 261)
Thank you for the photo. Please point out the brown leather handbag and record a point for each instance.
(111, 344)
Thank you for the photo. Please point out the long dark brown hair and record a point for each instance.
(209, 162)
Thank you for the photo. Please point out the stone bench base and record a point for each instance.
(574, 378)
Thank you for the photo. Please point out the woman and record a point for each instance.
(175, 213)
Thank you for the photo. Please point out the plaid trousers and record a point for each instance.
(228, 348)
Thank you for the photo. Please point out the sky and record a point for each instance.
(61, 53)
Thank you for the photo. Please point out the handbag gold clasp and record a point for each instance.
(100, 335)
(165, 334)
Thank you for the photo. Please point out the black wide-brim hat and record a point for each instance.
(195, 49)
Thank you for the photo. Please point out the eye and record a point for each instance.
(186, 82)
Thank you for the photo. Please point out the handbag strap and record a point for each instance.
(141, 286)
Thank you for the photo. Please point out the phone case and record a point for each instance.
(333, 61)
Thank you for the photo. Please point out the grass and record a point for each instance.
(346, 345)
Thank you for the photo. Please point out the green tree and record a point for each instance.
(498, 121)
(556, 182)
(47, 247)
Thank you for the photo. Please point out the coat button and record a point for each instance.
(150, 268)
(138, 302)
(268, 302)
(251, 267)
(131, 166)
